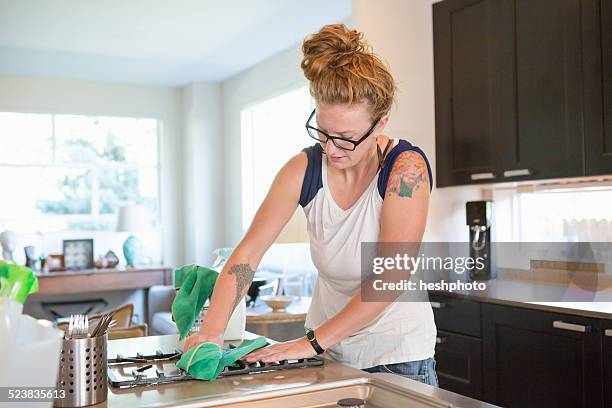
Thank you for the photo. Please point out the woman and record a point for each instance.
(355, 185)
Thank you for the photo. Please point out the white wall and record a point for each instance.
(204, 180)
(275, 75)
(22, 94)
(401, 33)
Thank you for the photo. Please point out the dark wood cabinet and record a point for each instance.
(459, 363)
(598, 87)
(518, 87)
(458, 344)
(541, 132)
(607, 362)
(456, 315)
(466, 81)
(541, 359)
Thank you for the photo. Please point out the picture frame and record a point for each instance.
(78, 254)
(55, 263)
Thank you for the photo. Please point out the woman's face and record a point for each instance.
(349, 122)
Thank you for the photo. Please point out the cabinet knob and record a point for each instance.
(560, 324)
(441, 340)
(437, 305)
(609, 332)
(518, 172)
(482, 176)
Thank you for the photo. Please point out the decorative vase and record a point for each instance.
(132, 250)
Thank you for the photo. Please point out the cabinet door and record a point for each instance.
(542, 126)
(459, 363)
(607, 361)
(598, 86)
(466, 82)
(541, 359)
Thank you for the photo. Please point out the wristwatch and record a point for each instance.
(310, 335)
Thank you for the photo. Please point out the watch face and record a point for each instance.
(310, 335)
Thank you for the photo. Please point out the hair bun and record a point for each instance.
(334, 46)
(342, 68)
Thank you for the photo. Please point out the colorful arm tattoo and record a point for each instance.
(409, 172)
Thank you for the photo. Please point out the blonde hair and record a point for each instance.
(342, 68)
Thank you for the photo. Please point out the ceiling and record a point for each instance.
(157, 42)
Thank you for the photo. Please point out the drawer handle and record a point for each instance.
(437, 305)
(559, 324)
(482, 176)
(609, 332)
(518, 172)
(441, 340)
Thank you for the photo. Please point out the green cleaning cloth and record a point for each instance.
(196, 285)
(207, 360)
(17, 282)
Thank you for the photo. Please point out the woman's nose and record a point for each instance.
(330, 147)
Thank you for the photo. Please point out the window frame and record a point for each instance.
(95, 167)
(248, 187)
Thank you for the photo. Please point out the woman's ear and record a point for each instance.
(383, 122)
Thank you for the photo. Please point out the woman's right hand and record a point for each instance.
(198, 338)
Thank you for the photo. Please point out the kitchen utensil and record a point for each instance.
(105, 321)
(278, 303)
(83, 369)
(78, 326)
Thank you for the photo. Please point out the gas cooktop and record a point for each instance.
(160, 368)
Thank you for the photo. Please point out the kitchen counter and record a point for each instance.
(291, 385)
(522, 293)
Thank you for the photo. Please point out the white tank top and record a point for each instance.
(405, 331)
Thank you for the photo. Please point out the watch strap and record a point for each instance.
(310, 335)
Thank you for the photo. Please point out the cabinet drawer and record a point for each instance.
(459, 363)
(456, 315)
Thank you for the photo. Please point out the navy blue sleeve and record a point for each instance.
(385, 173)
(312, 178)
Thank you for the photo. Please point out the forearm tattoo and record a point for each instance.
(244, 277)
(408, 174)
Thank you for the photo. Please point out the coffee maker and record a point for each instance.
(479, 218)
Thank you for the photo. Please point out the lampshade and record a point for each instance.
(133, 218)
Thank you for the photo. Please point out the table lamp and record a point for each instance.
(133, 219)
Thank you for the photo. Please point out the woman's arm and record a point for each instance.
(403, 219)
(237, 273)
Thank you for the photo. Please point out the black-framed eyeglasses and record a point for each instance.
(339, 142)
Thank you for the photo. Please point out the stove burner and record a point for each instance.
(133, 371)
(140, 358)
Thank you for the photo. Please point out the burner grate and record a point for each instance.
(140, 358)
(138, 371)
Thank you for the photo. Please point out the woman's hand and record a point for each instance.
(289, 350)
(198, 338)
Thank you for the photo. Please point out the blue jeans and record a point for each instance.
(420, 370)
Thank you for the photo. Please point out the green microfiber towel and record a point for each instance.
(206, 361)
(196, 285)
(17, 282)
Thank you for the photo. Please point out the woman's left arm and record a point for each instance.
(403, 219)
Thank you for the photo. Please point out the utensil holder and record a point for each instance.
(82, 372)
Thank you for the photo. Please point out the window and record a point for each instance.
(551, 214)
(71, 172)
(566, 215)
(272, 132)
